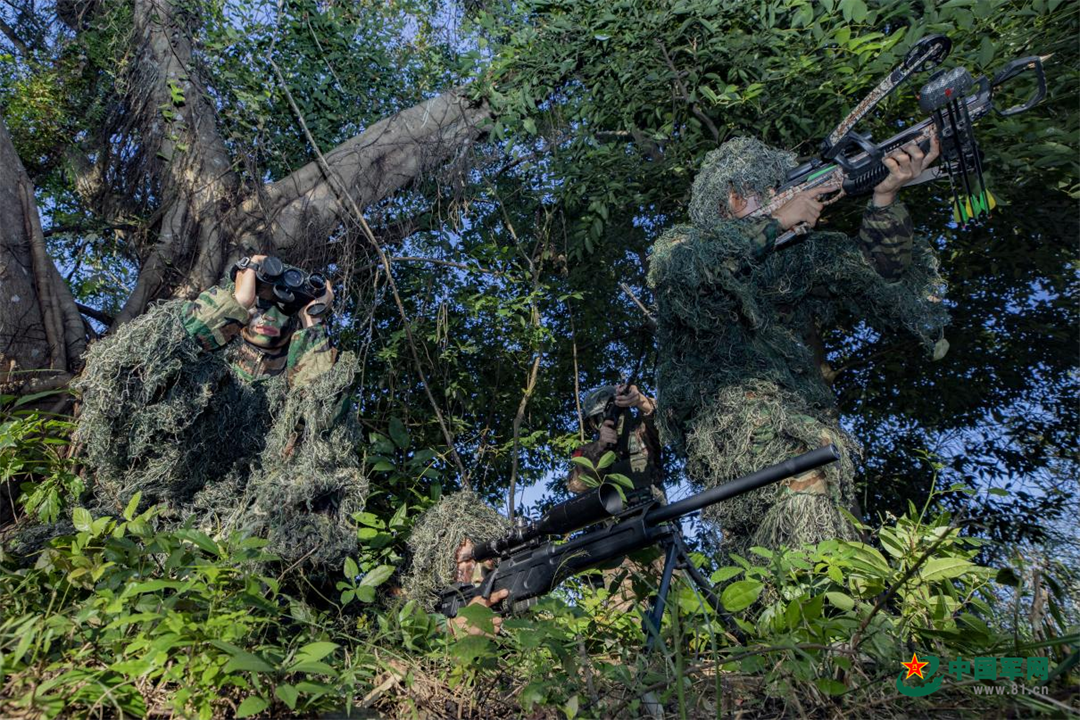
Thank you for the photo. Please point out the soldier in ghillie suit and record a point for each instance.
(637, 457)
(743, 379)
(230, 412)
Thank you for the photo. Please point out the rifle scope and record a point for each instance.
(566, 517)
(781, 471)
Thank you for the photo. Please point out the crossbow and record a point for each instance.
(853, 162)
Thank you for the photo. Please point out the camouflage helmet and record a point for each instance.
(743, 164)
(595, 402)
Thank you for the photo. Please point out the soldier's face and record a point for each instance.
(743, 206)
(268, 328)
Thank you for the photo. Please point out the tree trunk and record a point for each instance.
(40, 326)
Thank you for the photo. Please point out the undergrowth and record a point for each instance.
(123, 618)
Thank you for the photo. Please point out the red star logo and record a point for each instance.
(914, 667)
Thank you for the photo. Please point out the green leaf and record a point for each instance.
(999, 492)
(724, 574)
(840, 600)
(351, 570)
(398, 433)
(620, 480)
(583, 462)
(369, 519)
(312, 666)
(530, 125)
(471, 647)
(944, 568)
(252, 705)
(606, 460)
(377, 576)
(317, 650)
(830, 686)
(287, 694)
(246, 661)
(741, 595)
(132, 506)
(81, 518)
(479, 616)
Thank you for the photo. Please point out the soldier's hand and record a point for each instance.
(805, 207)
(608, 436)
(246, 283)
(327, 299)
(633, 398)
(904, 164)
(459, 624)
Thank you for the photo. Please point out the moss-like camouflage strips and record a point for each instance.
(743, 164)
(437, 535)
(739, 388)
(162, 416)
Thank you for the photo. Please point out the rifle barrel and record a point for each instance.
(774, 473)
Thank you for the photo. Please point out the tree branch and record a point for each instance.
(389, 155)
(15, 40)
(685, 96)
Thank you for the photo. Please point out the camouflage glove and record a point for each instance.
(310, 355)
(214, 318)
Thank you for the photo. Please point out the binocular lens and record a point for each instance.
(317, 282)
(283, 295)
(293, 278)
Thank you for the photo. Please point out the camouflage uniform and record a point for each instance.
(206, 425)
(743, 379)
(642, 463)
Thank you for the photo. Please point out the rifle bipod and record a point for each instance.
(677, 557)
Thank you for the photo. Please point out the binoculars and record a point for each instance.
(285, 286)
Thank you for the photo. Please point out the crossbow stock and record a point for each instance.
(854, 162)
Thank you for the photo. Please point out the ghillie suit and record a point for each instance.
(741, 383)
(436, 537)
(175, 406)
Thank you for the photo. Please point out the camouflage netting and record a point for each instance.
(739, 387)
(748, 426)
(743, 164)
(437, 535)
(162, 416)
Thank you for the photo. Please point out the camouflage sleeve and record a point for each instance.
(885, 239)
(310, 355)
(214, 318)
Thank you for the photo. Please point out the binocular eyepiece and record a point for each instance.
(287, 287)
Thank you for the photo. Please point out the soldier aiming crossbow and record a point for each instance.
(744, 379)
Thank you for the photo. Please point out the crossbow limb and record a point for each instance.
(853, 162)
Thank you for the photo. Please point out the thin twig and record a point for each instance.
(96, 314)
(641, 306)
(677, 77)
(358, 215)
(448, 263)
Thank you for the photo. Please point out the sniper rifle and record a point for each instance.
(532, 559)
